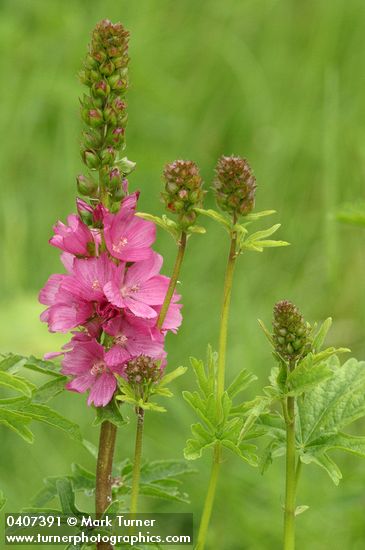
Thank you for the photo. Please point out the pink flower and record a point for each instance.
(171, 322)
(128, 237)
(89, 276)
(75, 237)
(132, 341)
(139, 287)
(66, 311)
(91, 370)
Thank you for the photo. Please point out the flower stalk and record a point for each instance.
(217, 451)
(173, 281)
(290, 484)
(103, 491)
(137, 461)
(234, 187)
(291, 342)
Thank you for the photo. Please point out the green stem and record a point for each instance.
(137, 461)
(227, 291)
(209, 499)
(291, 479)
(173, 280)
(103, 490)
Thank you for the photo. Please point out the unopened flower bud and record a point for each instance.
(126, 166)
(290, 331)
(107, 68)
(234, 186)
(108, 155)
(91, 159)
(117, 136)
(115, 178)
(183, 190)
(86, 186)
(95, 118)
(111, 116)
(101, 88)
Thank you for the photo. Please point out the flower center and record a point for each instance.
(120, 245)
(98, 368)
(96, 285)
(126, 290)
(121, 340)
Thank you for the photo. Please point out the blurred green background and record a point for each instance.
(278, 81)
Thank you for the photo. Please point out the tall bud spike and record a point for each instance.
(234, 186)
(103, 108)
(290, 331)
(183, 190)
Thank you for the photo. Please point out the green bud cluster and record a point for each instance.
(142, 372)
(234, 186)
(183, 190)
(104, 112)
(290, 331)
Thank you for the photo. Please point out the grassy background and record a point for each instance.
(278, 81)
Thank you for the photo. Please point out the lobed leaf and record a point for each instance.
(216, 216)
(43, 413)
(18, 422)
(240, 383)
(16, 383)
(307, 375)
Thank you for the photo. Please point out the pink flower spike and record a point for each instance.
(127, 237)
(75, 237)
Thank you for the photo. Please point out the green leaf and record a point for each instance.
(16, 383)
(43, 413)
(321, 334)
(44, 367)
(17, 422)
(242, 451)
(166, 493)
(325, 462)
(204, 383)
(158, 470)
(67, 496)
(326, 410)
(258, 235)
(168, 378)
(240, 383)
(307, 375)
(196, 229)
(253, 216)
(111, 413)
(90, 447)
(49, 390)
(11, 362)
(82, 479)
(217, 217)
(200, 407)
(158, 479)
(266, 332)
(164, 223)
(194, 449)
(202, 440)
(335, 404)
